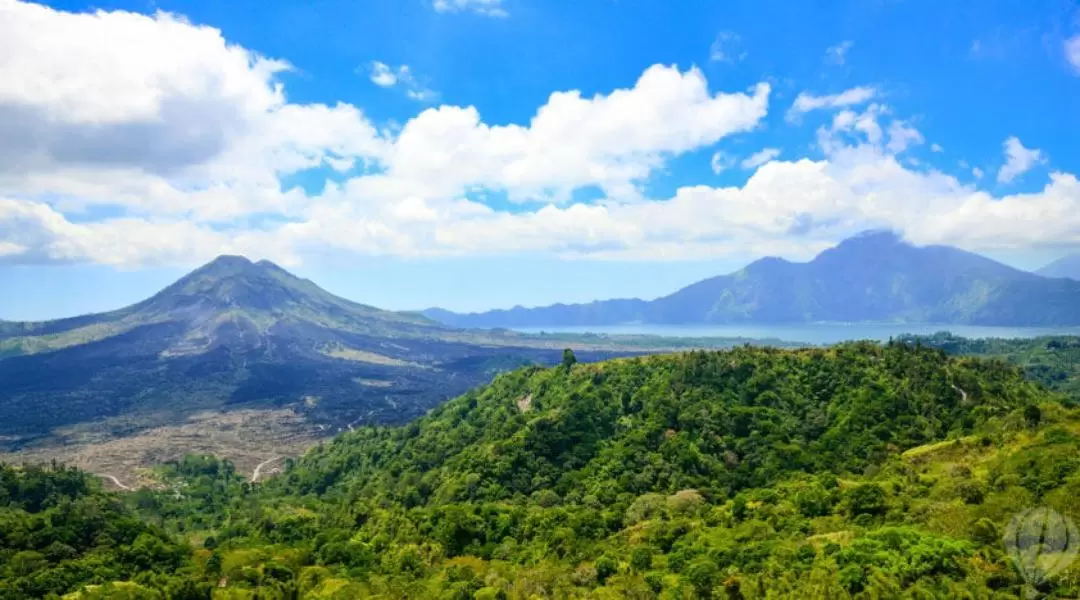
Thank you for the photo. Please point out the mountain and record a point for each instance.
(234, 334)
(1066, 266)
(230, 302)
(872, 277)
(857, 471)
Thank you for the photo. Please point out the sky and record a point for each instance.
(474, 154)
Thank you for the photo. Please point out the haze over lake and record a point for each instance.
(811, 333)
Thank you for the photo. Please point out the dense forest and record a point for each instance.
(861, 470)
(1053, 361)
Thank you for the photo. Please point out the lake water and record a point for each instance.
(812, 333)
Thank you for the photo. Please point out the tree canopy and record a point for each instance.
(861, 470)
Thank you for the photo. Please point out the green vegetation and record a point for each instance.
(58, 531)
(860, 470)
(1053, 361)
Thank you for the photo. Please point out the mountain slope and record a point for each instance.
(1066, 266)
(235, 333)
(226, 297)
(874, 276)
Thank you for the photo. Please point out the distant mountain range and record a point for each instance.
(1067, 266)
(240, 334)
(872, 277)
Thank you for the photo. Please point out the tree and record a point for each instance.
(867, 499)
(606, 566)
(641, 558)
(568, 359)
(1032, 412)
(702, 575)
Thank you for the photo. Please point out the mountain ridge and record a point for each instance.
(875, 276)
(1067, 266)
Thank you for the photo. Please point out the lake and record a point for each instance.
(811, 333)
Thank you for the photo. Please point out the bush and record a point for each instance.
(641, 558)
(606, 566)
(867, 499)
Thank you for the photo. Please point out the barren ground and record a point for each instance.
(246, 437)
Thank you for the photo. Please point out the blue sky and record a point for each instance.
(359, 165)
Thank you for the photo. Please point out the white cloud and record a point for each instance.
(759, 158)
(100, 110)
(224, 134)
(35, 233)
(1072, 52)
(1018, 160)
(902, 136)
(806, 102)
(613, 141)
(977, 172)
(490, 8)
(837, 54)
(721, 162)
(936, 148)
(725, 48)
(146, 112)
(848, 125)
(383, 75)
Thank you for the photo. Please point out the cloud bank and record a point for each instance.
(131, 139)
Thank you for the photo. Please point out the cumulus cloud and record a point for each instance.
(806, 102)
(1018, 160)
(837, 54)
(847, 125)
(490, 8)
(142, 111)
(759, 158)
(36, 233)
(206, 178)
(72, 81)
(612, 141)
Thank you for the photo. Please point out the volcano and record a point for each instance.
(237, 333)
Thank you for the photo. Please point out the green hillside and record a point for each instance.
(856, 471)
(1053, 361)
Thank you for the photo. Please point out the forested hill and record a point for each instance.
(717, 422)
(857, 471)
